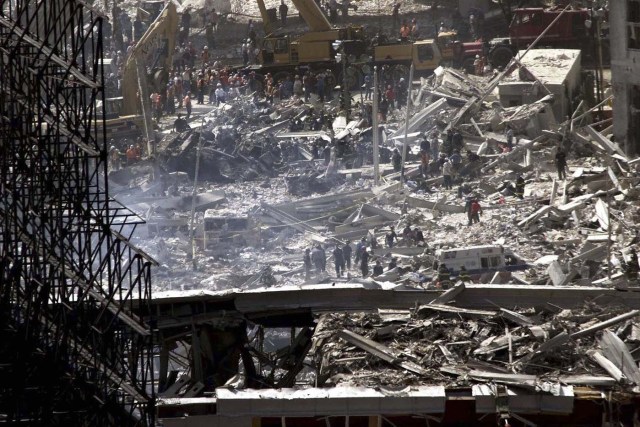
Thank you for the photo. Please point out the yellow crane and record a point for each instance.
(281, 53)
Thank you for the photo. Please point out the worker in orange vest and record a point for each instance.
(131, 155)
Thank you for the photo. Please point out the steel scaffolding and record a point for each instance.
(72, 351)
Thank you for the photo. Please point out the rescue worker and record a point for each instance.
(509, 135)
(457, 141)
(405, 31)
(307, 264)
(333, 10)
(519, 192)
(383, 109)
(187, 104)
(338, 260)
(323, 254)
(221, 95)
(443, 276)
(402, 91)
(392, 264)
(114, 157)
(378, 269)
(364, 263)
(456, 161)
(390, 96)
(390, 237)
(425, 145)
(180, 124)
(407, 235)
(367, 87)
(467, 208)
(297, 87)
(424, 163)
(463, 276)
(632, 267)
(316, 257)
(361, 246)
(131, 155)
(283, 9)
(447, 172)
(346, 253)
(561, 163)
(478, 65)
(476, 210)
(419, 236)
(320, 86)
(201, 85)
(396, 160)
(394, 14)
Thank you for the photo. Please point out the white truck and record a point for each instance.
(480, 259)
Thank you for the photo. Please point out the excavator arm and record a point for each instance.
(309, 10)
(154, 51)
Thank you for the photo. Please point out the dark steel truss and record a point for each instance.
(72, 351)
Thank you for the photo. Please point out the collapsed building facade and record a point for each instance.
(292, 363)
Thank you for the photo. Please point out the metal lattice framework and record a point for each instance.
(72, 351)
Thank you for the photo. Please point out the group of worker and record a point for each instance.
(443, 276)
(409, 30)
(342, 254)
(129, 155)
(481, 66)
(317, 258)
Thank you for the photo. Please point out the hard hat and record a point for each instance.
(401, 79)
(219, 85)
(477, 56)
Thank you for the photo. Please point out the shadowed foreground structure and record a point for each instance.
(71, 350)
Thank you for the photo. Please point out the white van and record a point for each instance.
(479, 259)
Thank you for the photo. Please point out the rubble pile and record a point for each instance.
(296, 167)
(536, 349)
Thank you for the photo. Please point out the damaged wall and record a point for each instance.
(557, 69)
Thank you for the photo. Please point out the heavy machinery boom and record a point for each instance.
(312, 15)
(153, 52)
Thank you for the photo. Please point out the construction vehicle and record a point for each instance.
(569, 32)
(146, 69)
(282, 54)
(425, 55)
(480, 259)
